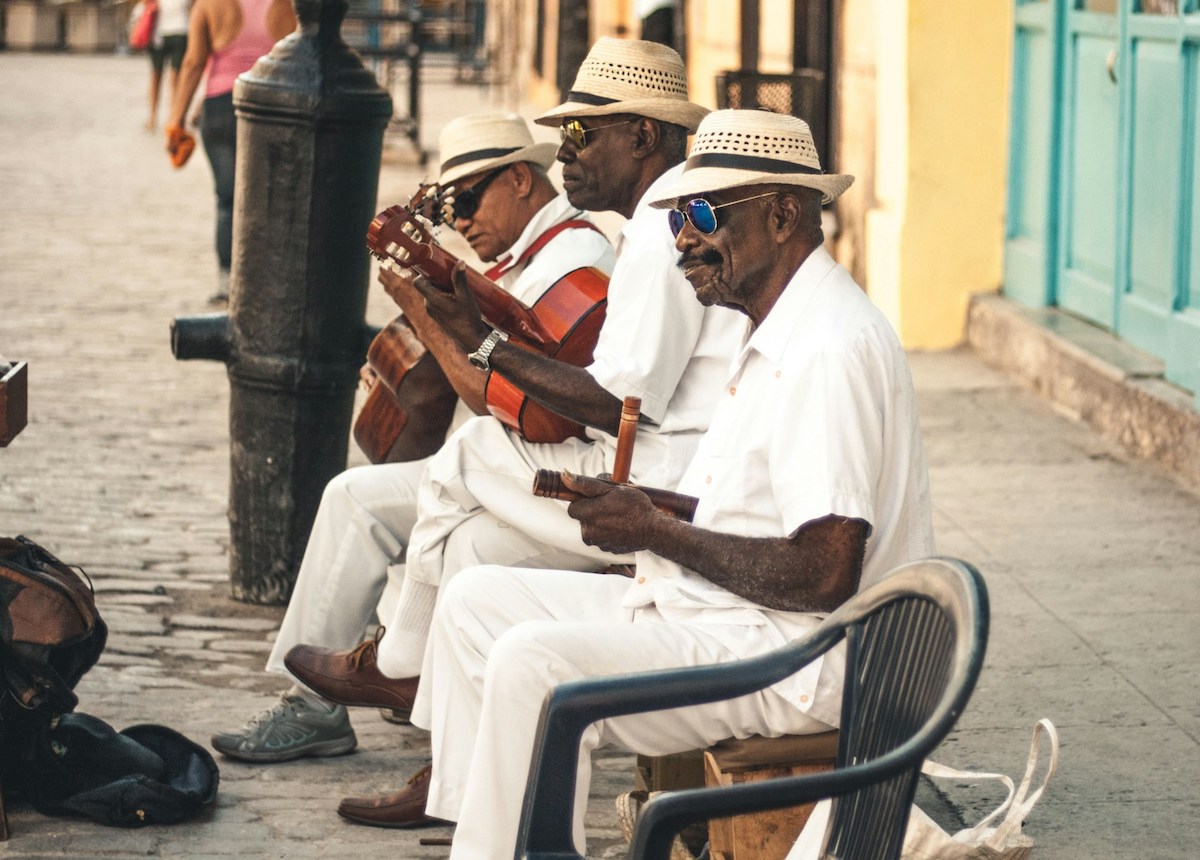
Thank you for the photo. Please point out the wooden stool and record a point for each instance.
(763, 835)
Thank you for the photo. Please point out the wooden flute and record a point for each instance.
(549, 483)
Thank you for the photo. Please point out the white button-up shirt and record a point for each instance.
(817, 418)
(660, 344)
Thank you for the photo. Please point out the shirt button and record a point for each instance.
(708, 480)
(778, 374)
(641, 580)
(732, 390)
(804, 698)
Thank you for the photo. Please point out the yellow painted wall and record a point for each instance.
(935, 233)
(921, 113)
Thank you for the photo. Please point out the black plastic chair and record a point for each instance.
(915, 646)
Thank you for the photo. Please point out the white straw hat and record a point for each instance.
(629, 76)
(734, 148)
(478, 142)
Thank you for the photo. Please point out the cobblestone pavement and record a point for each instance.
(1091, 560)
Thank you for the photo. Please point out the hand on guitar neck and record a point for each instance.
(468, 382)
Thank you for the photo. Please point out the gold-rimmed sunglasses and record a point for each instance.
(574, 132)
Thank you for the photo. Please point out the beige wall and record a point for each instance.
(930, 230)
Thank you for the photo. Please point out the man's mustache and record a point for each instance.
(708, 257)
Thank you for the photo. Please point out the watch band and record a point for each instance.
(481, 357)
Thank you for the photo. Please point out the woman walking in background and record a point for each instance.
(227, 37)
(167, 48)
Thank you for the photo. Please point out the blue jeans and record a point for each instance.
(218, 130)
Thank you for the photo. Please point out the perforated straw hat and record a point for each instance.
(734, 148)
(629, 76)
(471, 144)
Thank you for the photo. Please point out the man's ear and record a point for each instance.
(522, 178)
(785, 214)
(647, 136)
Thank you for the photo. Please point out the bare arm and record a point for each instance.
(199, 47)
(281, 19)
(468, 381)
(211, 26)
(568, 390)
(815, 570)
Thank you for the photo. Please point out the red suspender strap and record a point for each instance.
(537, 244)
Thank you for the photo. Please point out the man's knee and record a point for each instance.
(527, 661)
(471, 588)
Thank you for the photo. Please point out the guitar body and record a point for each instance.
(563, 324)
(411, 405)
(572, 312)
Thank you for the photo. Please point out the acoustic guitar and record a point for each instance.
(563, 324)
(409, 408)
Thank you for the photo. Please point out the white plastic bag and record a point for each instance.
(925, 840)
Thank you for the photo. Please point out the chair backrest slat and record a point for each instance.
(899, 662)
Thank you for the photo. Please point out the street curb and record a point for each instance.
(1096, 377)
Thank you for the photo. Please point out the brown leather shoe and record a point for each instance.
(351, 677)
(404, 808)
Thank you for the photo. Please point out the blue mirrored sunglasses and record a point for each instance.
(702, 214)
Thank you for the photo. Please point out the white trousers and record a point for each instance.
(499, 645)
(359, 534)
(476, 506)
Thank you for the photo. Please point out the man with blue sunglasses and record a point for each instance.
(811, 484)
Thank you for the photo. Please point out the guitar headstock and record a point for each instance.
(399, 232)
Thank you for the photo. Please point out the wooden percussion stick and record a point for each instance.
(631, 410)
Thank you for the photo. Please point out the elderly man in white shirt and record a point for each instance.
(811, 484)
(506, 207)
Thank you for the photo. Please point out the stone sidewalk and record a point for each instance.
(1091, 559)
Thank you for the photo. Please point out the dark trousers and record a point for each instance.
(218, 130)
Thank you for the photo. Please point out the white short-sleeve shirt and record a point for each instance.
(817, 417)
(660, 344)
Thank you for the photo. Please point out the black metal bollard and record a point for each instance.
(310, 136)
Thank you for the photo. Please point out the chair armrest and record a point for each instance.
(573, 706)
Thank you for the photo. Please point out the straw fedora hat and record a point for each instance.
(629, 76)
(733, 148)
(478, 142)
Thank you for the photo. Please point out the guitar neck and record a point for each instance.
(498, 307)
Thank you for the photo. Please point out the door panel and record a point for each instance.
(1156, 147)
(1089, 198)
(1027, 253)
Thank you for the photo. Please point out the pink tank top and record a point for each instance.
(247, 46)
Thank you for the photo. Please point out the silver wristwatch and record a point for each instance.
(480, 357)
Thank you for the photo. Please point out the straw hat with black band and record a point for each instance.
(736, 148)
(629, 76)
(479, 142)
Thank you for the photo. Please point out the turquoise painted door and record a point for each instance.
(1088, 174)
(1104, 186)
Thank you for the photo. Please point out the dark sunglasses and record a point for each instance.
(576, 134)
(702, 214)
(464, 204)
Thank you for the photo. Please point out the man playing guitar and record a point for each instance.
(504, 204)
(624, 130)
